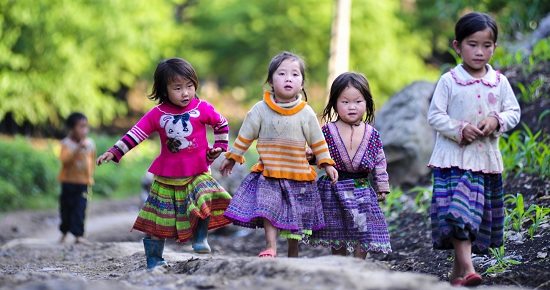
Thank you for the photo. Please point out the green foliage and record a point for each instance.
(532, 91)
(422, 199)
(517, 216)
(540, 216)
(57, 56)
(60, 56)
(513, 17)
(523, 151)
(25, 174)
(502, 262)
(393, 204)
(28, 174)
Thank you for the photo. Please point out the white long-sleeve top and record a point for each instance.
(460, 99)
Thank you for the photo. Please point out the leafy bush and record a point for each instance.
(526, 152)
(25, 174)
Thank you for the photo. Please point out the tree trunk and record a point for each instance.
(339, 40)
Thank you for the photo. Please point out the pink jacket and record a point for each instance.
(183, 137)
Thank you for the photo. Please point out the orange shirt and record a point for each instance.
(77, 161)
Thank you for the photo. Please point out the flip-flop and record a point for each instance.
(269, 253)
(457, 281)
(472, 280)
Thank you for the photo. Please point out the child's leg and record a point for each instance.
(293, 248)
(154, 248)
(270, 236)
(200, 235)
(78, 214)
(64, 212)
(463, 258)
(359, 253)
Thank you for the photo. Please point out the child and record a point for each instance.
(280, 193)
(185, 201)
(76, 176)
(471, 107)
(354, 220)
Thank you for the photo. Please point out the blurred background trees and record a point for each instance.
(57, 56)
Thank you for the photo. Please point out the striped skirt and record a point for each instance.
(294, 207)
(353, 217)
(467, 205)
(174, 207)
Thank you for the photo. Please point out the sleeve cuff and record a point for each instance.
(117, 153)
(233, 156)
(500, 123)
(326, 161)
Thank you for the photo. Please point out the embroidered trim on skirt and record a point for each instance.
(353, 217)
(291, 206)
(173, 210)
(467, 205)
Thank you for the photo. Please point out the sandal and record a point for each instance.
(459, 281)
(269, 253)
(472, 280)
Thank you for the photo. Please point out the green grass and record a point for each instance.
(526, 152)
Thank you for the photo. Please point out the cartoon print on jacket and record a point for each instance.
(178, 128)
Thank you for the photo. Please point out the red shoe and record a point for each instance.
(472, 280)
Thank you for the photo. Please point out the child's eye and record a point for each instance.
(296, 75)
(190, 85)
(281, 74)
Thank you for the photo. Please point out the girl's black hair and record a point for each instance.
(169, 70)
(474, 22)
(73, 119)
(276, 62)
(343, 81)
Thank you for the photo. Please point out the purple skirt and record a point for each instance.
(353, 217)
(294, 206)
(467, 205)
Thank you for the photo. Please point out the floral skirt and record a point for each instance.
(294, 207)
(467, 205)
(353, 217)
(174, 207)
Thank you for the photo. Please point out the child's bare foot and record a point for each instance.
(82, 241)
(63, 239)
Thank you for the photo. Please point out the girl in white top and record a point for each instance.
(471, 107)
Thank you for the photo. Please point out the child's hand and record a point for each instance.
(332, 173)
(381, 196)
(488, 125)
(105, 157)
(309, 154)
(213, 153)
(470, 133)
(227, 167)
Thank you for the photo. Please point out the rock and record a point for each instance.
(233, 181)
(408, 138)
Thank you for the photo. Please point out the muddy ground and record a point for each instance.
(31, 258)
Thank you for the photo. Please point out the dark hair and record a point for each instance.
(474, 22)
(169, 70)
(276, 62)
(73, 119)
(343, 81)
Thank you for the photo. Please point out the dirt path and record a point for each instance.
(31, 258)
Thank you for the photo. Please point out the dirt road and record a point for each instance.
(31, 258)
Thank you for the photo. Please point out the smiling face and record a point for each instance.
(287, 80)
(180, 91)
(476, 50)
(351, 105)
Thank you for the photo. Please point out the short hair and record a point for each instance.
(168, 70)
(73, 119)
(474, 22)
(276, 62)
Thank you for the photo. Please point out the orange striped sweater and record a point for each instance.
(282, 131)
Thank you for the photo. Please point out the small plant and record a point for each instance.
(518, 215)
(393, 205)
(540, 215)
(422, 199)
(501, 262)
(526, 152)
(532, 91)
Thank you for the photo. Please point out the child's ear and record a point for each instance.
(456, 46)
